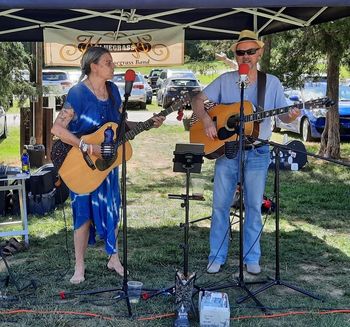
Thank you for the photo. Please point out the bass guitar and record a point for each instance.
(226, 119)
(80, 177)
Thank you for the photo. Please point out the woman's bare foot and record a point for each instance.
(115, 264)
(79, 275)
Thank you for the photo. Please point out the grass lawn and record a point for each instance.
(315, 247)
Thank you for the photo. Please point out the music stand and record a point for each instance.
(188, 158)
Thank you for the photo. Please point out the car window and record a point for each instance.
(344, 93)
(184, 82)
(316, 90)
(119, 78)
(155, 73)
(53, 76)
(183, 74)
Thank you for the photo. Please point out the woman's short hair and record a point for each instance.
(91, 55)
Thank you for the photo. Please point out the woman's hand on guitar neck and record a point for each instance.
(209, 127)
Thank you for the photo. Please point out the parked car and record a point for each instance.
(138, 94)
(166, 73)
(153, 77)
(149, 91)
(311, 123)
(3, 123)
(74, 76)
(55, 83)
(172, 88)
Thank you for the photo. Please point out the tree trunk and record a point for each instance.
(265, 60)
(330, 139)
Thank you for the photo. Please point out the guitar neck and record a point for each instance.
(274, 112)
(143, 126)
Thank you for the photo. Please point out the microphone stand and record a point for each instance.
(276, 280)
(240, 280)
(121, 133)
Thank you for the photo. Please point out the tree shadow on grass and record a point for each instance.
(318, 196)
(154, 255)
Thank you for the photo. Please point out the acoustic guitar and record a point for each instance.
(226, 119)
(77, 174)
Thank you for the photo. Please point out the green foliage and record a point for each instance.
(13, 59)
(202, 67)
(205, 50)
(303, 52)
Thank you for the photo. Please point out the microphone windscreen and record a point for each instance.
(243, 69)
(130, 75)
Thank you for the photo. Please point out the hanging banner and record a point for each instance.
(129, 49)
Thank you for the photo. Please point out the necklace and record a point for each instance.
(102, 95)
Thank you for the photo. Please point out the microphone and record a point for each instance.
(129, 81)
(243, 71)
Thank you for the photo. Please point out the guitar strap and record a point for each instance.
(261, 90)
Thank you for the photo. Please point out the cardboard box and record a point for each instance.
(214, 309)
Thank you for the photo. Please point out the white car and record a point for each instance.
(3, 123)
(56, 83)
(138, 94)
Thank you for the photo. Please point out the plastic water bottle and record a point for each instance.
(25, 162)
(182, 318)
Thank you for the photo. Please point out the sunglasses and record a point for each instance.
(249, 52)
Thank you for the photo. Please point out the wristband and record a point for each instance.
(84, 147)
(80, 143)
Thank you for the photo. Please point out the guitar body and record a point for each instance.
(226, 118)
(221, 114)
(295, 153)
(75, 172)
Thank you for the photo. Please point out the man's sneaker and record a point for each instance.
(253, 268)
(213, 268)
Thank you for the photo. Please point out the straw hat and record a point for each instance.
(246, 36)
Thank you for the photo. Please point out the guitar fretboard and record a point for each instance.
(274, 112)
(143, 126)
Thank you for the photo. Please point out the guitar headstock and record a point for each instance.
(179, 103)
(319, 103)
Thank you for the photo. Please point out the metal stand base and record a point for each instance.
(275, 282)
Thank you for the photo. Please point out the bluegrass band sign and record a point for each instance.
(128, 49)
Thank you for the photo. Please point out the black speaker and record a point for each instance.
(62, 190)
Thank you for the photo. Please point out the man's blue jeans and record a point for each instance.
(256, 163)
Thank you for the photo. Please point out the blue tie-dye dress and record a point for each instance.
(101, 205)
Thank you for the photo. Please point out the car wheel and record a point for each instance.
(142, 105)
(5, 132)
(306, 131)
(165, 105)
(159, 101)
(274, 127)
